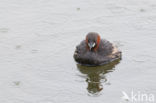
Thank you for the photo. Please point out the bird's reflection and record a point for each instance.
(96, 75)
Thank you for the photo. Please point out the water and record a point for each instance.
(38, 39)
(95, 76)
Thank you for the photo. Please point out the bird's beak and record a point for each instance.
(91, 45)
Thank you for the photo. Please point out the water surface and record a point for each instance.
(38, 39)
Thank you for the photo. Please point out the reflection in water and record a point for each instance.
(95, 75)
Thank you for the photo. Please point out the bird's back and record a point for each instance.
(104, 54)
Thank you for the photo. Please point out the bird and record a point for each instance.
(94, 51)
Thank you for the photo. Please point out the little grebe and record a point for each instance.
(96, 51)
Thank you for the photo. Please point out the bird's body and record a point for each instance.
(100, 53)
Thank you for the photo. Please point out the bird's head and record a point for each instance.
(92, 41)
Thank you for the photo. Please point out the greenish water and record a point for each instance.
(96, 76)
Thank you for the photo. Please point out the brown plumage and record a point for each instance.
(95, 51)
